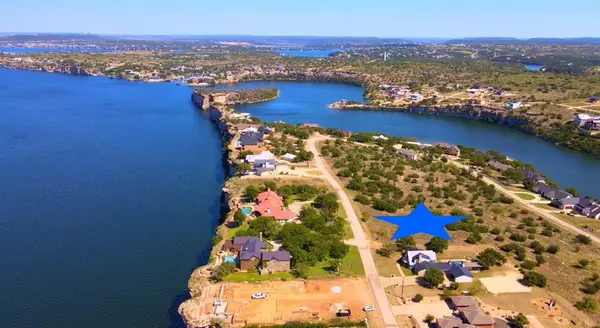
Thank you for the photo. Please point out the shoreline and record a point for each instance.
(478, 113)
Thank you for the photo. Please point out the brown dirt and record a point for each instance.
(293, 300)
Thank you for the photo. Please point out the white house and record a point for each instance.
(415, 255)
(581, 119)
(265, 156)
(381, 137)
(408, 154)
(288, 157)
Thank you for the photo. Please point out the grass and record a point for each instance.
(254, 276)
(525, 196)
(590, 225)
(406, 271)
(351, 266)
(546, 207)
(230, 232)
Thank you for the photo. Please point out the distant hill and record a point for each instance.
(51, 37)
(509, 40)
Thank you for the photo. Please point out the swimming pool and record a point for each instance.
(246, 210)
(229, 259)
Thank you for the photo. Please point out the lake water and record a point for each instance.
(301, 102)
(533, 67)
(50, 49)
(109, 190)
(306, 53)
(109, 196)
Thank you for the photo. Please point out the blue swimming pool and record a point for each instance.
(246, 210)
(229, 259)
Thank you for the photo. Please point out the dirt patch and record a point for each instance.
(293, 300)
(506, 283)
(429, 305)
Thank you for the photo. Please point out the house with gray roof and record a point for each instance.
(458, 303)
(408, 154)
(567, 203)
(413, 256)
(593, 212)
(477, 318)
(253, 253)
(459, 274)
(533, 176)
(583, 204)
(498, 166)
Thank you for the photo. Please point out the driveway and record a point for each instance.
(429, 305)
(359, 239)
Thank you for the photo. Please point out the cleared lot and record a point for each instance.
(505, 283)
(292, 300)
(429, 305)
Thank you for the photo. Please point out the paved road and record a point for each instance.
(359, 239)
(535, 209)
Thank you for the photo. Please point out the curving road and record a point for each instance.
(359, 240)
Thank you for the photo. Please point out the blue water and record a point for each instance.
(306, 53)
(50, 49)
(109, 194)
(246, 210)
(229, 259)
(301, 102)
(533, 67)
(109, 190)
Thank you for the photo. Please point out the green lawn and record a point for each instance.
(230, 232)
(406, 271)
(591, 225)
(525, 196)
(351, 266)
(546, 207)
(254, 276)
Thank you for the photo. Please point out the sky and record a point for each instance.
(381, 18)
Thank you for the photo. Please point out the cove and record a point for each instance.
(301, 102)
(109, 197)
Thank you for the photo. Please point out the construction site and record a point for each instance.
(298, 300)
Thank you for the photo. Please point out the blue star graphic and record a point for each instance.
(420, 220)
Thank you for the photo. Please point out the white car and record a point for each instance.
(369, 308)
(217, 303)
(259, 296)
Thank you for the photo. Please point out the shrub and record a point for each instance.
(418, 298)
(587, 304)
(552, 249)
(518, 321)
(429, 318)
(517, 237)
(583, 263)
(583, 239)
(528, 264)
(532, 278)
(540, 259)
(474, 238)
(362, 199)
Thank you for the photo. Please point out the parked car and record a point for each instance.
(369, 308)
(258, 296)
(344, 313)
(217, 303)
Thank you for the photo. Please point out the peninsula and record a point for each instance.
(297, 220)
(562, 109)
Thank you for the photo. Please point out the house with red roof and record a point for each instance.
(270, 204)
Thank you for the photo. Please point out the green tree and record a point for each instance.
(239, 217)
(490, 257)
(223, 270)
(583, 263)
(265, 225)
(327, 203)
(241, 168)
(552, 249)
(433, 277)
(532, 278)
(405, 242)
(251, 193)
(518, 321)
(437, 244)
(587, 304)
(386, 249)
(418, 298)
